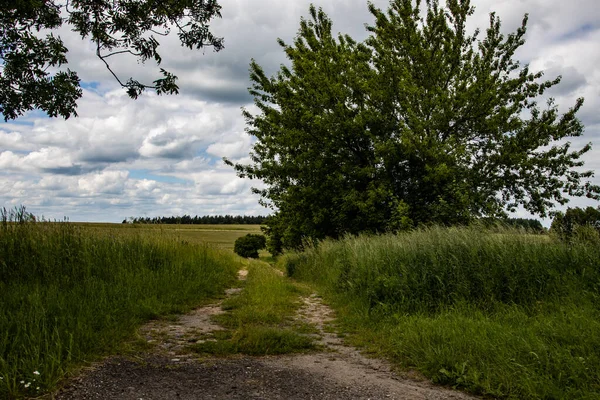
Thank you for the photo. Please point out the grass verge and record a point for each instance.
(498, 313)
(259, 321)
(68, 296)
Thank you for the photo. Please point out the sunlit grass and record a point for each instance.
(68, 295)
(504, 314)
(221, 235)
(260, 321)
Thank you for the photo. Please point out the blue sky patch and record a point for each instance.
(583, 30)
(145, 174)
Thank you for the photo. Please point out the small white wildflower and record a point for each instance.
(36, 373)
(22, 381)
(27, 384)
(37, 388)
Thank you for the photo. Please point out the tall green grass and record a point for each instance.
(495, 312)
(68, 296)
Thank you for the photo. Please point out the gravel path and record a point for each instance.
(169, 371)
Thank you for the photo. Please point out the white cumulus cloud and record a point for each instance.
(161, 155)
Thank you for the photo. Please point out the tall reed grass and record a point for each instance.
(499, 312)
(68, 296)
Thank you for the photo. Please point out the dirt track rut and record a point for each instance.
(170, 371)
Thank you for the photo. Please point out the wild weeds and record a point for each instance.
(498, 312)
(68, 296)
(434, 268)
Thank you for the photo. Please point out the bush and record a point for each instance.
(249, 245)
(274, 233)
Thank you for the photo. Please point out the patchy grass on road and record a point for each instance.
(259, 321)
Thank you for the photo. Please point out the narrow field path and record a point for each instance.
(168, 369)
(172, 339)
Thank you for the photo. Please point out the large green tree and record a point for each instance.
(421, 123)
(30, 58)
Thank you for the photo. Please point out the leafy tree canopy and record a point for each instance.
(421, 123)
(30, 74)
(577, 222)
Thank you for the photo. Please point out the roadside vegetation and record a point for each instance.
(248, 246)
(497, 312)
(260, 320)
(70, 295)
(426, 121)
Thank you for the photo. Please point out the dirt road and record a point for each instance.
(169, 371)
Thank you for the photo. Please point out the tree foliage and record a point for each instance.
(577, 224)
(202, 220)
(530, 224)
(115, 27)
(249, 245)
(421, 123)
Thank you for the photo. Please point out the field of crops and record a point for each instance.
(222, 236)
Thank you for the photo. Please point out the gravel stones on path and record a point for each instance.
(268, 378)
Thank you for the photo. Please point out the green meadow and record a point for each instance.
(496, 312)
(499, 313)
(221, 236)
(71, 293)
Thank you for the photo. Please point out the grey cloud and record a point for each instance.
(169, 146)
(579, 32)
(180, 152)
(162, 139)
(226, 82)
(590, 116)
(231, 95)
(108, 155)
(570, 82)
(72, 170)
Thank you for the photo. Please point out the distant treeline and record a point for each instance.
(530, 224)
(197, 220)
(533, 225)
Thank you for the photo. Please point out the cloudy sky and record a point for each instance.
(162, 155)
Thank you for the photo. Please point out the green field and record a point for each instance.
(498, 312)
(72, 293)
(222, 236)
(505, 314)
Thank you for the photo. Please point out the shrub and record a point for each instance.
(249, 245)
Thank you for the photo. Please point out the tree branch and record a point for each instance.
(159, 33)
(121, 52)
(98, 46)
